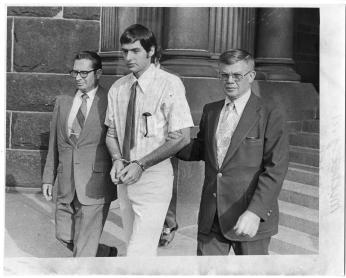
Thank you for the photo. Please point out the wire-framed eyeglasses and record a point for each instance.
(235, 76)
(82, 73)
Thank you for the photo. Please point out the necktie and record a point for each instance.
(78, 122)
(129, 137)
(225, 131)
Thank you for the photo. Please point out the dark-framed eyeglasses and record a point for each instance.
(235, 76)
(82, 73)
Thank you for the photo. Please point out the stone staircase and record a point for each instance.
(299, 198)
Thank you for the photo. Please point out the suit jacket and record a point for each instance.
(252, 172)
(83, 167)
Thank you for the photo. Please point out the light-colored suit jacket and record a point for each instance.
(252, 172)
(83, 167)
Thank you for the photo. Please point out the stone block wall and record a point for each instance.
(41, 44)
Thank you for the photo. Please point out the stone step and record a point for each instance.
(290, 241)
(299, 218)
(304, 155)
(305, 139)
(294, 126)
(303, 174)
(300, 194)
(311, 126)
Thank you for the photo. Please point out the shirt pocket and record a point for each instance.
(153, 124)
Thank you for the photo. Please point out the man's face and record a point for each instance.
(236, 86)
(136, 58)
(91, 80)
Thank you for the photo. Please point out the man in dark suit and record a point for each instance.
(78, 162)
(243, 142)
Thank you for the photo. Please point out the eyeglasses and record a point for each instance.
(235, 76)
(83, 73)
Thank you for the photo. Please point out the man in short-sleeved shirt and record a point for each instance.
(162, 120)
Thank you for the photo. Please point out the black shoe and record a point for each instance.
(167, 235)
(113, 252)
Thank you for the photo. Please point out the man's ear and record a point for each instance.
(252, 76)
(151, 51)
(98, 73)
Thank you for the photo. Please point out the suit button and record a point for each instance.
(214, 194)
(219, 175)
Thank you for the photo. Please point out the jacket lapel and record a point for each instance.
(248, 119)
(65, 113)
(212, 124)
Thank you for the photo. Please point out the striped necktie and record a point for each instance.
(130, 135)
(225, 131)
(78, 122)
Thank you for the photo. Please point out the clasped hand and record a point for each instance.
(127, 175)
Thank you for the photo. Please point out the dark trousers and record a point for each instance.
(215, 243)
(79, 227)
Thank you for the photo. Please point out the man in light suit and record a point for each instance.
(78, 162)
(243, 142)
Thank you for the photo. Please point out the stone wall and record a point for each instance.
(41, 43)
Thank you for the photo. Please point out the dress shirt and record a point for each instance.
(159, 93)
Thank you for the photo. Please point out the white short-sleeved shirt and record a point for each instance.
(159, 93)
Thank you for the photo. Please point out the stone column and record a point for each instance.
(194, 37)
(274, 48)
(185, 41)
(231, 28)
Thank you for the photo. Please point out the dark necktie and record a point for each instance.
(129, 137)
(78, 122)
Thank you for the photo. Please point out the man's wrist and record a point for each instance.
(140, 164)
(115, 157)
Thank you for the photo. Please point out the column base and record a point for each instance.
(189, 63)
(276, 69)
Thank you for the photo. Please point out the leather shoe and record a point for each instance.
(167, 235)
(113, 252)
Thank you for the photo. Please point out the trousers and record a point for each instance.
(215, 243)
(143, 207)
(79, 227)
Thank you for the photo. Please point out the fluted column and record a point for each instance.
(185, 41)
(194, 37)
(274, 49)
(231, 28)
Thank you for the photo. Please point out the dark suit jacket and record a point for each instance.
(88, 161)
(252, 172)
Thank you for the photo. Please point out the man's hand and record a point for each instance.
(247, 224)
(47, 191)
(118, 165)
(130, 174)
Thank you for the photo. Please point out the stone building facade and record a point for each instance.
(42, 41)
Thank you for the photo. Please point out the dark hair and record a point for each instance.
(138, 32)
(233, 56)
(92, 56)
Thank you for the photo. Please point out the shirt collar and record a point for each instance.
(91, 94)
(145, 79)
(240, 102)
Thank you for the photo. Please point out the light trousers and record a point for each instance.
(143, 206)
